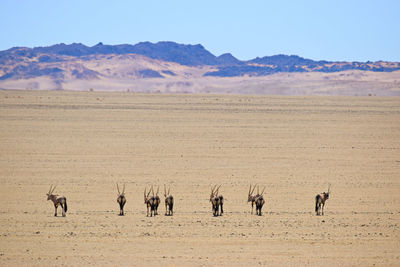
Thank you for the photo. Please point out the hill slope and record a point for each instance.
(172, 67)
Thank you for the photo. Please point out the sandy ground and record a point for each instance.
(295, 146)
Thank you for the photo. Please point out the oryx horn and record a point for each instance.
(253, 189)
(216, 191)
(52, 190)
(212, 189)
(262, 191)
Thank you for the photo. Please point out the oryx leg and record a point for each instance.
(166, 208)
(63, 209)
(323, 205)
(55, 207)
(252, 205)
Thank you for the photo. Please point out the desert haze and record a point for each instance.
(85, 142)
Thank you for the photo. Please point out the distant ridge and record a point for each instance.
(65, 61)
(189, 55)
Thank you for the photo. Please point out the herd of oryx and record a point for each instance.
(217, 200)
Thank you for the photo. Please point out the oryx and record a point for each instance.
(121, 200)
(251, 198)
(217, 201)
(320, 201)
(259, 200)
(57, 200)
(169, 202)
(149, 201)
(221, 200)
(156, 201)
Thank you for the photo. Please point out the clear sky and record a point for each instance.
(349, 30)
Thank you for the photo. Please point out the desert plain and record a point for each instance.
(85, 142)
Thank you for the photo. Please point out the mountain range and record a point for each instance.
(61, 66)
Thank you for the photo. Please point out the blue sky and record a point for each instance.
(348, 30)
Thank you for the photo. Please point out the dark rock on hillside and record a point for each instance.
(50, 58)
(75, 49)
(228, 59)
(190, 55)
(31, 71)
(85, 74)
(285, 60)
(148, 73)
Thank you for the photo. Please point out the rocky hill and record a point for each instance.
(169, 66)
